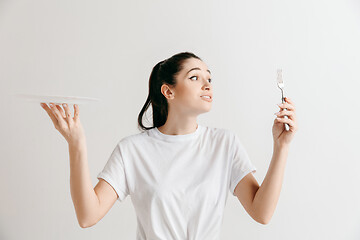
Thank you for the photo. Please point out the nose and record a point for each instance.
(207, 86)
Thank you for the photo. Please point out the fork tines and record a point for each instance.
(279, 76)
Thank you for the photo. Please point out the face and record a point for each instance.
(193, 81)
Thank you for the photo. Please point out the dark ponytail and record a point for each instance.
(163, 72)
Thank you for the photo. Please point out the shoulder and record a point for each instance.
(135, 138)
(224, 135)
(221, 134)
(219, 131)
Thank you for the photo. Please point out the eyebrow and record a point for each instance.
(197, 69)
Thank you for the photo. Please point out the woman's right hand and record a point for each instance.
(70, 127)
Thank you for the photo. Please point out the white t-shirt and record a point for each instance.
(178, 183)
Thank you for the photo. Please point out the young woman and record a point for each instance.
(177, 172)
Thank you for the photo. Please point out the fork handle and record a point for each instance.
(287, 128)
(286, 125)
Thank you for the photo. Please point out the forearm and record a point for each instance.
(267, 195)
(85, 200)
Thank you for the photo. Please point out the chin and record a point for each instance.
(205, 110)
(200, 108)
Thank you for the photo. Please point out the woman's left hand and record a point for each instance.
(280, 135)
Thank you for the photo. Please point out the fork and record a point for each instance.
(280, 84)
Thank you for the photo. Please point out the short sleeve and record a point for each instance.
(241, 163)
(114, 173)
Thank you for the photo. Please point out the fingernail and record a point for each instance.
(64, 105)
(51, 105)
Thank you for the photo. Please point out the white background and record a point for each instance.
(107, 49)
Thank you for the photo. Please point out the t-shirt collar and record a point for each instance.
(174, 138)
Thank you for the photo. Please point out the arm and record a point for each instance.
(267, 195)
(260, 201)
(264, 201)
(85, 200)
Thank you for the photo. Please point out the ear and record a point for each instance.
(167, 91)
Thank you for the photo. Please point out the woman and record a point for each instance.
(178, 172)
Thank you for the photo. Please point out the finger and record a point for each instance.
(55, 111)
(293, 110)
(290, 114)
(67, 112)
(50, 113)
(286, 105)
(290, 122)
(61, 111)
(76, 112)
(58, 115)
(289, 101)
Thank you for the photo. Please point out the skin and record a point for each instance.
(184, 101)
(70, 127)
(260, 201)
(185, 105)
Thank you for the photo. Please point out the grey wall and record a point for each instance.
(106, 50)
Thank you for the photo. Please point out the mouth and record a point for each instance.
(207, 98)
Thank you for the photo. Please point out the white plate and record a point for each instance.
(57, 99)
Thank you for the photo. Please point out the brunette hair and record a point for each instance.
(163, 72)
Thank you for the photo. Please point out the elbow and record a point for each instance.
(262, 217)
(261, 221)
(264, 220)
(83, 225)
(86, 224)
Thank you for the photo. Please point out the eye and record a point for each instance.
(210, 80)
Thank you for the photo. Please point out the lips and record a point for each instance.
(207, 99)
(209, 95)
